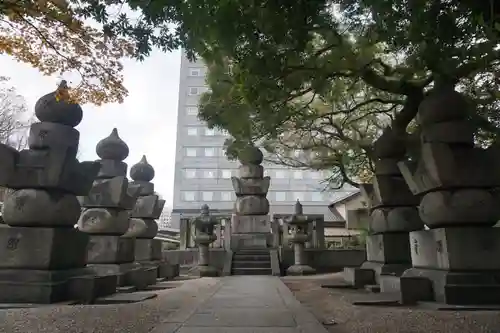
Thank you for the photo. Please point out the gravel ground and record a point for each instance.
(134, 318)
(334, 305)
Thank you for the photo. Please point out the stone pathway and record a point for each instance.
(244, 304)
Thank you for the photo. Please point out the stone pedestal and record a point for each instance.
(43, 257)
(204, 236)
(251, 231)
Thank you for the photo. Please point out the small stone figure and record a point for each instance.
(106, 214)
(300, 225)
(42, 253)
(250, 223)
(204, 227)
(148, 251)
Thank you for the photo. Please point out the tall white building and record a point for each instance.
(203, 173)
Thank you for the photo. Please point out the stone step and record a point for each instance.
(250, 264)
(251, 271)
(251, 257)
(472, 294)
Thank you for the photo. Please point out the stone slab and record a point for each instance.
(242, 318)
(148, 250)
(125, 298)
(40, 248)
(250, 224)
(110, 250)
(388, 248)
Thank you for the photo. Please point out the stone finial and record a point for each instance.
(251, 155)
(298, 208)
(112, 147)
(142, 171)
(52, 108)
(205, 210)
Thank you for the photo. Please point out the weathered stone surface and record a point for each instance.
(460, 207)
(104, 221)
(251, 155)
(112, 168)
(148, 250)
(251, 171)
(461, 131)
(136, 228)
(395, 219)
(151, 229)
(142, 171)
(47, 135)
(392, 191)
(113, 193)
(388, 248)
(31, 207)
(250, 223)
(8, 156)
(251, 186)
(149, 206)
(390, 145)
(250, 240)
(424, 249)
(147, 188)
(112, 147)
(387, 167)
(110, 249)
(49, 109)
(443, 106)
(42, 248)
(252, 205)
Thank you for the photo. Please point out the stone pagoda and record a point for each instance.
(148, 251)
(43, 254)
(106, 213)
(299, 223)
(250, 223)
(456, 260)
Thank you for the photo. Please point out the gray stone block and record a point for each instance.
(388, 248)
(110, 250)
(168, 271)
(251, 205)
(423, 249)
(104, 221)
(112, 168)
(148, 249)
(111, 193)
(47, 135)
(250, 240)
(146, 207)
(147, 188)
(415, 289)
(150, 231)
(8, 156)
(251, 186)
(142, 277)
(359, 277)
(42, 248)
(38, 286)
(252, 223)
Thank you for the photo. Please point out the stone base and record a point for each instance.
(167, 271)
(250, 240)
(148, 249)
(359, 277)
(454, 288)
(121, 271)
(110, 250)
(300, 270)
(388, 248)
(204, 271)
(45, 287)
(380, 269)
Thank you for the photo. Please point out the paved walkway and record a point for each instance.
(243, 304)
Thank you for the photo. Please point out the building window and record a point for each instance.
(188, 196)
(280, 174)
(190, 173)
(316, 196)
(193, 91)
(207, 196)
(210, 152)
(195, 72)
(191, 152)
(226, 196)
(192, 131)
(192, 111)
(209, 174)
(280, 196)
(209, 131)
(227, 174)
(298, 196)
(297, 174)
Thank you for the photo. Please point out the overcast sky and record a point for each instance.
(146, 121)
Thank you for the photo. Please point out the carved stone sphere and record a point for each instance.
(142, 171)
(251, 155)
(112, 147)
(443, 105)
(48, 108)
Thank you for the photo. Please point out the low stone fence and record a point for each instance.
(325, 261)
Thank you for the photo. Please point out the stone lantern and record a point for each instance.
(204, 236)
(299, 223)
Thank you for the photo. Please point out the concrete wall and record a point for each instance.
(325, 261)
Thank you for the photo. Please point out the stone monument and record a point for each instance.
(148, 251)
(204, 236)
(393, 214)
(456, 260)
(42, 253)
(250, 222)
(106, 214)
(300, 226)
